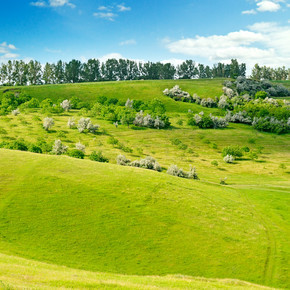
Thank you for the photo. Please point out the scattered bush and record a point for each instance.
(206, 122)
(58, 148)
(66, 105)
(48, 123)
(15, 112)
(80, 147)
(223, 181)
(261, 95)
(76, 153)
(175, 171)
(85, 124)
(71, 123)
(122, 160)
(234, 151)
(271, 124)
(177, 94)
(99, 157)
(229, 159)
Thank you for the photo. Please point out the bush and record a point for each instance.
(15, 145)
(122, 160)
(234, 151)
(175, 171)
(71, 123)
(34, 148)
(214, 163)
(261, 95)
(99, 157)
(85, 124)
(58, 148)
(66, 105)
(229, 159)
(177, 94)
(76, 153)
(206, 122)
(48, 123)
(15, 112)
(80, 147)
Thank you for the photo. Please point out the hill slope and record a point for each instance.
(108, 218)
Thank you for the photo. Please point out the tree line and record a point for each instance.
(18, 72)
(269, 73)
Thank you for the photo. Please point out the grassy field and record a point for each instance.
(124, 220)
(19, 273)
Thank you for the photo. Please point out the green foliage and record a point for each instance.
(234, 151)
(261, 95)
(214, 163)
(76, 153)
(98, 156)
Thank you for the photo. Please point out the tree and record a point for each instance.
(256, 73)
(34, 72)
(47, 123)
(59, 72)
(91, 71)
(73, 71)
(58, 148)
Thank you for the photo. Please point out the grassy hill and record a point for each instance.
(19, 273)
(107, 218)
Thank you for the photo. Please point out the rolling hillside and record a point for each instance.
(129, 221)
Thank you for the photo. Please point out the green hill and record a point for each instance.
(123, 220)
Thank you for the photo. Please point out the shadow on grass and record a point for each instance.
(222, 169)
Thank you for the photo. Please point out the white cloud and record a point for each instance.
(252, 11)
(123, 8)
(109, 56)
(268, 6)
(128, 42)
(106, 15)
(105, 8)
(174, 61)
(6, 52)
(267, 43)
(53, 3)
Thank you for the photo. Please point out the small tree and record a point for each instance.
(122, 160)
(66, 105)
(47, 123)
(80, 147)
(71, 123)
(58, 148)
(229, 159)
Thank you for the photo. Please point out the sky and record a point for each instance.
(207, 31)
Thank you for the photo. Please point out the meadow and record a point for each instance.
(113, 219)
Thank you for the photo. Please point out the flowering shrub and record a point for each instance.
(80, 147)
(229, 159)
(66, 105)
(240, 117)
(148, 121)
(85, 124)
(47, 123)
(58, 148)
(175, 171)
(205, 122)
(271, 124)
(177, 94)
(15, 112)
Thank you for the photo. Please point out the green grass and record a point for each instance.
(19, 273)
(123, 220)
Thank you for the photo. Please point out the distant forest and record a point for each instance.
(19, 73)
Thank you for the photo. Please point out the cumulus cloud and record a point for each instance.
(53, 3)
(123, 8)
(252, 11)
(6, 51)
(111, 12)
(128, 42)
(106, 15)
(267, 43)
(268, 6)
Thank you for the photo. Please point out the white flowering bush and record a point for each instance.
(177, 94)
(271, 124)
(175, 171)
(85, 124)
(229, 159)
(71, 123)
(228, 92)
(129, 103)
(206, 122)
(122, 160)
(58, 148)
(240, 117)
(48, 123)
(148, 121)
(15, 112)
(218, 122)
(81, 147)
(224, 102)
(66, 105)
(196, 99)
(209, 103)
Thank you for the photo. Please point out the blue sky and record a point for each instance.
(206, 31)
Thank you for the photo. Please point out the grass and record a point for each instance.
(130, 221)
(19, 273)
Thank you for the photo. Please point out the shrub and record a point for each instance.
(58, 148)
(206, 122)
(175, 171)
(15, 112)
(15, 145)
(66, 105)
(270, 124)
(229, 159)
(261, 95)
(253, 155)
(223, 181)
(85, 124)
(234, 151)
(177, 94)
(76, 153)
(99, 157)
(245, 149)
(80, 147)
(48, 123)
(129, 103)
(113, 141)
(71, 123)
(122, 160)
(34, 148)
(150, 163)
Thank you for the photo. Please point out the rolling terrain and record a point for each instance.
(97, 218)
